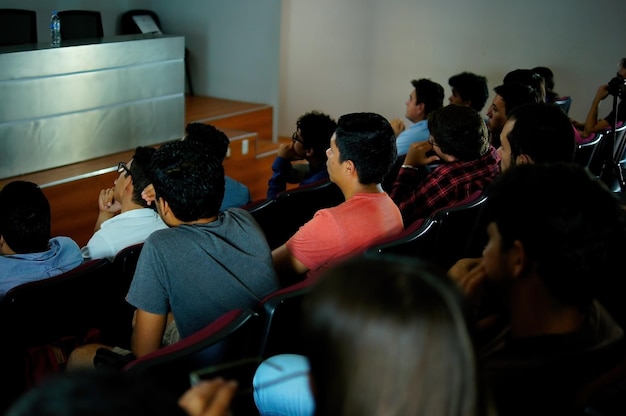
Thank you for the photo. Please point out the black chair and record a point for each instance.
(80, 24)
(564, 103)
(128, 26)
(586, 149)
(444, 237)
(232, 337)
(17, 27)
(280, 218)
(282, 313)
(604, 164)
(43, 312)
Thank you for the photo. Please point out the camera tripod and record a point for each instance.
(612, 171)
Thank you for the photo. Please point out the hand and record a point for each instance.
(209, 398)
(416, 156)
(469, 273)
(397, 125)
(107, 202)
(148, 194)
(286, 151)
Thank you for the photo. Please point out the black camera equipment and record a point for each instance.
(617, 86)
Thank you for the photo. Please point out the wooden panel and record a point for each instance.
(74, 192)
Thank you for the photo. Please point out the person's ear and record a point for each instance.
(349, 167)
(523, 159)
(517, 256)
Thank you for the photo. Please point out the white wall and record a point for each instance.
(341, 56)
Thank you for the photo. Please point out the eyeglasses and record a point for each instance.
(121, 168)
(295, 138)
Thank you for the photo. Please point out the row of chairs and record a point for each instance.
(592, 154)
(40, 313)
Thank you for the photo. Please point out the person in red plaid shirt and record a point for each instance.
(466, 162)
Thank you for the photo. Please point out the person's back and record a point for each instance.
(208, 262)
(467, 163)
(308, 143)
(27, 252)
(361, 153)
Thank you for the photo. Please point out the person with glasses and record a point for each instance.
(124, 218)
(466, 163)
(308, 144)
(27, 251)
(204, 264)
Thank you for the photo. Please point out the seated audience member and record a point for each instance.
(468, 163)
(236, 194)
(215, 144)
(124, 218)
(508, 96)
(548, 82)
(531, 79)
(426, 97)
(205, 264)
(27, 253)
(536, 133)
(556, 237)
(469, 89)
(593, 124)
(361, 152)
(383, 335)
(309, 142)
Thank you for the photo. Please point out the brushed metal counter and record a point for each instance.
(86, 100)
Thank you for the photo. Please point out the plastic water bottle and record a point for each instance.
(55, 30)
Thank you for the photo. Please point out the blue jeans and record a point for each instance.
(281, 386)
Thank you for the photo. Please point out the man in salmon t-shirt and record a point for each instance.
(361, 152)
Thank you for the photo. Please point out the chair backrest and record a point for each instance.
(233, 336)
(280, 218)
(43, 312)
(128, 26)
(80, 24)
(598, 165)
(282, 315)
(564, 103)
(585, 149)
(444, 237)
(125, 262)
(17, 26)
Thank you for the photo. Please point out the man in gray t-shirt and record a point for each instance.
(206, 263)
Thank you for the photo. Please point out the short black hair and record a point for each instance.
(472, 88)
(368, 140)
(24, 217)
(215, 141)
(316, 129)
(459, 131)
(429, 93)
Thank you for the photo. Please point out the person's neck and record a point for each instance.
(359, 188)
(534, 311)
(199, 221)
(129, 206)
